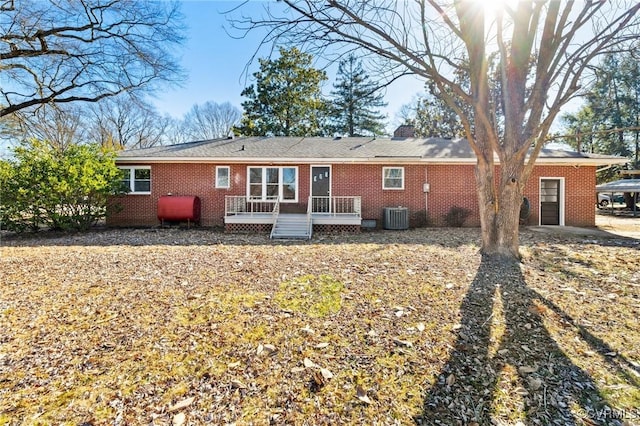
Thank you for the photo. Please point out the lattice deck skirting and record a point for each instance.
(337, 229)
(262, 228)
(247, 228)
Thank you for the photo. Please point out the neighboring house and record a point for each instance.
(245, 184)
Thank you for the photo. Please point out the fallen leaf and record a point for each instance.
(361, 394)
(181, 404)
(527, 370)
(322, 345)
(326, 373)
(237, 384)
(451, 379)
(420, 327)
(536, 309)
(234, 364)
(308, 363)
(178, 419)
(535, 383)
(318, 379)
(307, 329)
(405, 343)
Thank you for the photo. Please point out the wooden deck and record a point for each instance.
(343, 210)
(316, 218)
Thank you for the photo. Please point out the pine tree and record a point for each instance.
(286, 99)
(608, 122)
(353, 110)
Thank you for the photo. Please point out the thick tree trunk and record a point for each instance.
(499, 209)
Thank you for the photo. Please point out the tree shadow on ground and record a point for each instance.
(517, 364)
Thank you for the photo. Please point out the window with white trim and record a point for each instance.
(136, 179)
(222, 177)
(393, 178)
(268, 183)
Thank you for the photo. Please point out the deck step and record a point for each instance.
(291, 226)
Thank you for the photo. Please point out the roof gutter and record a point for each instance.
(262, 160)
(607, 162)
(602, 169)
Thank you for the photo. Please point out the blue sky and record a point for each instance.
(215, 63)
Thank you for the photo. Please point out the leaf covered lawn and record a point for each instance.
(162, 327)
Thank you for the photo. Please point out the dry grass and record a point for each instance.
(194, 327)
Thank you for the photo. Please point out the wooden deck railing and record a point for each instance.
(243, 205)
(309, 218)
(340, 205)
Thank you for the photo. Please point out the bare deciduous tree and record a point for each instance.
(61, 51)
(120, 122)
(127, 122)
(210, 120)
(57, 127)
(429, 38)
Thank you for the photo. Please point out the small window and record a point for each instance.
(136, 179)
(255, 182)
(393, 178)
(289, 183)
(222, 177)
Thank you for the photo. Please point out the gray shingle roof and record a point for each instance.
(358, 149)
(623, 185)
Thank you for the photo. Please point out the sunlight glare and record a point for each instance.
(492, 7)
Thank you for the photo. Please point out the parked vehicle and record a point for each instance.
(604, 199)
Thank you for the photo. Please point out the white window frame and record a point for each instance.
(217, 182)
(384, 186)
(132, 179)
(263, 196)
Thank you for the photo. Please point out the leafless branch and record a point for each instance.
(85, 50)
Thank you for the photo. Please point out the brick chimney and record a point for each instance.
(405, 131)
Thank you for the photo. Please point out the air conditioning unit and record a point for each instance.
(396, 218)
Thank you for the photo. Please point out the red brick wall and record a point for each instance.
(180, 179)
(450, 185)
(579, 193)
(366, 181)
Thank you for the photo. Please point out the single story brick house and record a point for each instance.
(253, 183)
